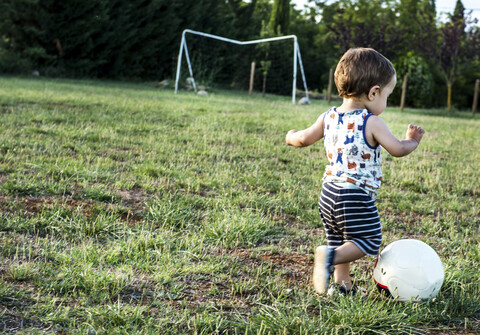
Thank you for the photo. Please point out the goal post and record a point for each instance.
(297, 58)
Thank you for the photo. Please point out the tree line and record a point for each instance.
(139, 40)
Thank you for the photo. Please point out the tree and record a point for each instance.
(408, 61)
(421, 85)
(23, 35)
(362, 23)
(245, 25)
(410, 13)
(77, 26)
(451, 51)
(280, 19)
(317, 52)
(136, 38)
(449, 48)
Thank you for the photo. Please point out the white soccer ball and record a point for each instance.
(409, 270)
(304, 101)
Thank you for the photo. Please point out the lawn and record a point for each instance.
(128, 209)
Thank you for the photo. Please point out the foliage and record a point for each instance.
(280, 18)
(139, 40)
(420, 82)
(103, 38)
(414, 19)
(315, 46)
(362, 23)
(23, 31)
(451, 47)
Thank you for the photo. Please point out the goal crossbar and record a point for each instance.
(296, 56)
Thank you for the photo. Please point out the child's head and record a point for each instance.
(359, 70)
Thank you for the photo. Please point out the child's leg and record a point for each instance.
(338, 206)
(325, 260)
(343, 282)
(342, 275)
(345, 254)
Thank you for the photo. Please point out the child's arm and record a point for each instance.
(394, 146)
(306, 137)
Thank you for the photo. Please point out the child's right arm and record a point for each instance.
(306, 137)
(397, 148)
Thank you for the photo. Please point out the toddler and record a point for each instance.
(353, 136)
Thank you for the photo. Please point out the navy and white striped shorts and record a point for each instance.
(350, 215)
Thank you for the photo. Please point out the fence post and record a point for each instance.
(330, 79)
(252, 74)
(475, 97)
(404, 92)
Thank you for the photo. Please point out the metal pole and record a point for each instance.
(329, 92)
(295, 54)
(179, 62)
(189, 65)
(239, 42)
(303, 72)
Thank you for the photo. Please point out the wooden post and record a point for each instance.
(330, 79)
(404, 92)
(449, 96)
(475, 97)
(264, 86)
(252, 75)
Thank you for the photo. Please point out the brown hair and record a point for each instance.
(359, 70)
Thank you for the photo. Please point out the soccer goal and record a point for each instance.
(268, 65)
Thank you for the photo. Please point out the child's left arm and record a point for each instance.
(306, 137)
(397, 148)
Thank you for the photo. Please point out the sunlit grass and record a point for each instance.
(128, 209)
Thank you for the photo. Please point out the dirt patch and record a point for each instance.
(12, 322)
(285, 220)
(36, 205)
(135, 201)
(295, 267)
(13, 305)
(140, 291)
(457, 329)
(133, 197)
(199, 289)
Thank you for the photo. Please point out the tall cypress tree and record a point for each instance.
(452, 48)
(77, 26)
(110, 38)
(22, 28)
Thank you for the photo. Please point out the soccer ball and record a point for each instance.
(409, 270)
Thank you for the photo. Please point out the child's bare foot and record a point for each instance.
(322, 268)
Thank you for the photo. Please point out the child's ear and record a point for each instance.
(372, 94)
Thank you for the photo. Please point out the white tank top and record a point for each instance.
(352, 159)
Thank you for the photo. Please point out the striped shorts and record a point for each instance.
(350, 215)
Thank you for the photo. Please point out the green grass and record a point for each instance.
(127, 209)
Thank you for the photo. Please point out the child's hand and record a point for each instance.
(287, 138)
(306, 137)
(415, 133)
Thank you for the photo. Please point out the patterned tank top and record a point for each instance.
(352, 159)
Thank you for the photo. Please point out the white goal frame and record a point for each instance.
(296, 57)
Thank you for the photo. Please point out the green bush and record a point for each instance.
(10, 63)
(420, 83)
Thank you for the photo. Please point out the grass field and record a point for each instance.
(126, 209)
